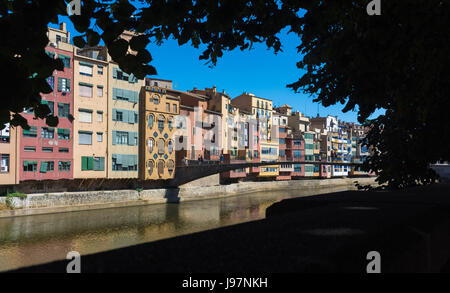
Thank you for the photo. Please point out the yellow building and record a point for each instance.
(90, 111)
(158, 112)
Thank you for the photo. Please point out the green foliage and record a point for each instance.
(139, 189)
(398, 61)
(17, 194)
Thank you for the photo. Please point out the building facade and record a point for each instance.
(158, 115)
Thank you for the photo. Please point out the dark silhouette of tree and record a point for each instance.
(398, 61)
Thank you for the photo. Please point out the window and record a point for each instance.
(297, 168)
(86, 69)
(93, 163)
(32, 132)
(100, 69)
(156, 99)
(29, 149)
(84, 137)
(282, 141)
(99, 136)
(170, 123)
(63, 84)
(63, 150)
(85, 115)
(85, 90)
(175, 108)
(160, 167)
(47, 166)
(64, 166)
(161, 144)
(124, 162)
(5, 163)
(100, 116)
(30, 166)
(99, 91)
(63, 110)
(4, 134)
(161, 120)
(167, 107)
(51, 106)
(47, 132)
(121, 137)
(297, 154)
(170, 165)
(282, 153)
(150, 144)
(297, 142)
(170, 146)
(47, 150)
(150, 121)
(63, 133)
(150, 166)
(119, 116)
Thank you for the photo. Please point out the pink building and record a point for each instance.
(47, 152)
(198, 129)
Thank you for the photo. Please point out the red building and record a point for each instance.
(295, 152)
(47, 152)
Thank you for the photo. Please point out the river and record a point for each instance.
(37, 239)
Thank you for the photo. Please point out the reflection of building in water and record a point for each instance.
(194, 214)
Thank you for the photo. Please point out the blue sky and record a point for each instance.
(258, 71)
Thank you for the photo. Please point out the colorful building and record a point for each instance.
(91, 112)
(47, 152)
(158, 113)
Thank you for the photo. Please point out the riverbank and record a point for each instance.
(87, 200)
(406, 230)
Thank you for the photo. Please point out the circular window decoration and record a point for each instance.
(170, 146)
(150, 144)
(150, 166)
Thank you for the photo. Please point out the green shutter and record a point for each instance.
(114, 137)
(131, 117)
(90, 163)
(44, 167)
(83, 163)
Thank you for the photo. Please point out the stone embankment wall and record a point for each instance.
(84, 200)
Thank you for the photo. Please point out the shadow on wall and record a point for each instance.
(172, 195)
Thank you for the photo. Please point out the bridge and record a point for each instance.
(196, 170)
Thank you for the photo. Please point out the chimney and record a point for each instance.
(62, 26)
(214, 88)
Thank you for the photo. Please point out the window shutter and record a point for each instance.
(114, 93)
(131, 78)
(130, 138)
(114, 137)
(90, 163)
(102, 164)
(131, 117)
(59, 84)
(43, 167)
(114, 115)
(114, 72)
(83, 163)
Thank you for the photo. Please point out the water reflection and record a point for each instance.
(31, 240)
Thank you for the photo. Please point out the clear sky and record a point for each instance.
(258, 71)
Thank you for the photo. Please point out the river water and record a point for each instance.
(31, 240)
